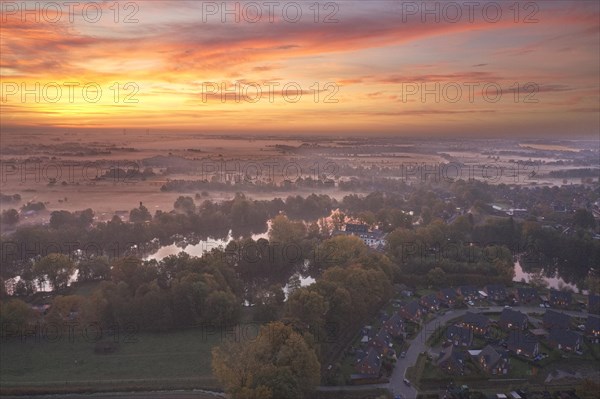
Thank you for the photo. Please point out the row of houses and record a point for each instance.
(377, 345)
(499, 293)
(557, 332)
(449, 297)
(525, 295)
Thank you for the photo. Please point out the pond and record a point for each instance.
(200, 248)
(556, 282)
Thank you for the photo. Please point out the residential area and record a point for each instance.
(492, 338)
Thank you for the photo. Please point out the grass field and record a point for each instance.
(160, 360)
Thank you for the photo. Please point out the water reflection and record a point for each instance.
(555, 282)
(199, 248)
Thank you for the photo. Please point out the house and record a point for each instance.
(430, 302)
(452, 361)
(560, 299)
(495, 292)
(370, 364)
(447, 296)
(383, 316)
(381, 341)
(411, 311)
(526, 294)
(476, 322)
(522, 344)
(594, 304)
(565, 340)
(592, 328)
(492, 361)
(395, 326)
(373, 239)
(512, 319)
(556, 320)
(468, 292)
(459, 336)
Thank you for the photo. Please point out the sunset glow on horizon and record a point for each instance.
(377, 67)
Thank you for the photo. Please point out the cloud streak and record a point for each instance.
(372, 49)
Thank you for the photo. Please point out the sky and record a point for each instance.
(483, 68)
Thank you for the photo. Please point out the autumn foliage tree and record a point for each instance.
(278, 364)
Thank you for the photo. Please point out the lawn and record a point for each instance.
(593, 350)
(415, 372)
(346, 369)
(171, 359)
(520, 368)
(437, 337)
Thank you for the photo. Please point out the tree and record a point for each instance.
(461, 227)
(140, 214)
(368, 289)
(15, 315)
(93, 268)
(436, 277)
(278, 364)
(64, 307)
(584, 219)
(367, 217)
(269, 302)
(59, 219)
(133, 272)
(285, 231)
(281, 383)
(426, 215)
(592, 283)
(307, 306)
(222, 308)
(185, 205)
(340, 250)
(397, 218)
(294, 283)
(57, 268)
(86, 217)
(10, 217)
